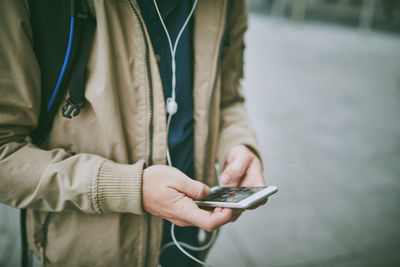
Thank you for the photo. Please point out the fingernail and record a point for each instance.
(224, 178)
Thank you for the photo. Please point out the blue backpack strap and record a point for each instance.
(62, 35)
(85, 25)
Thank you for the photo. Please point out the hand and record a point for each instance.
(167, 192)
(242, 168)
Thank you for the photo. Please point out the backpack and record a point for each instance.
(62, 36)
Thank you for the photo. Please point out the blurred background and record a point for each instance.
(323, 92)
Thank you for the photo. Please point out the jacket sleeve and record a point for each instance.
(235, 127)
(51, 180)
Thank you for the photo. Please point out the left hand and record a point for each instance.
(242, 168)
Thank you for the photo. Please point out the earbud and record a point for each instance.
(172, 106)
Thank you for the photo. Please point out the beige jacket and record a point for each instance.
(89, 173)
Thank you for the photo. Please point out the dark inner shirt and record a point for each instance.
(174, 14)
(180, 138)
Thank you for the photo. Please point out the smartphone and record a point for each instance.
(236, 197)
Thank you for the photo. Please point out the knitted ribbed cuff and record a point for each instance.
(118, 188)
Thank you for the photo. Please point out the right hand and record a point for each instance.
(168, 193)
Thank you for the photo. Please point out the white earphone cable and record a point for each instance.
(187, 246)
(172, 107)
(171, 104)
(174, 47)
(178, 245)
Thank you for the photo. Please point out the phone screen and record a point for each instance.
(232, 194)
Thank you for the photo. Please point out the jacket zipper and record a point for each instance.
(150, 85)
(150, 119)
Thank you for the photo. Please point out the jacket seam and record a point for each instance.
(95, 186)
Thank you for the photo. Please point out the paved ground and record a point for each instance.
(325, 101)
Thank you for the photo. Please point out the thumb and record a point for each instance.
(235, 170)
(192, 188)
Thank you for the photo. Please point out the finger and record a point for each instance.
(235, 170)
(208, 220)
(254, 175)
(192, 188)
(218, 209)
